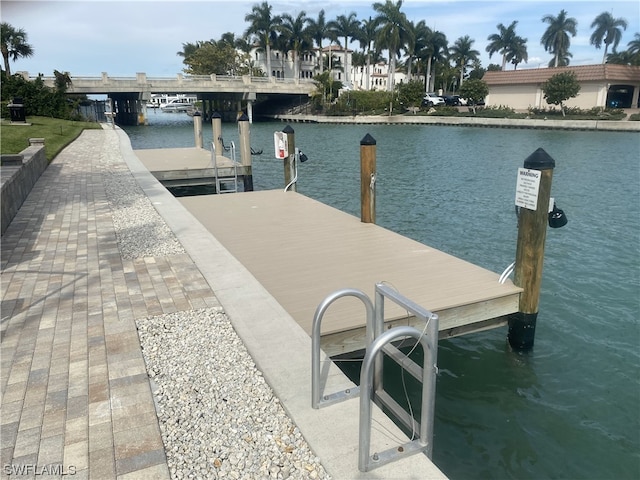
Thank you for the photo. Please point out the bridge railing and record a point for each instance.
(181, 83)
(143, 78)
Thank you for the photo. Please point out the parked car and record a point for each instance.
(477, 104)
(454, 100)
(432, 100)
(450, 100)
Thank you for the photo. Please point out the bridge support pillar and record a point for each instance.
(130, 108)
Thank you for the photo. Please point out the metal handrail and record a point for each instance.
(214, 161)
(423, 443)
(371, 378)
(318, 400)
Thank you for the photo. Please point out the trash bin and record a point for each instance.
(16, 110)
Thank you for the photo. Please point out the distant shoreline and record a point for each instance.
(600, 125)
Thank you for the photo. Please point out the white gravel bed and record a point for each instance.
(140, 230)
(218, 416)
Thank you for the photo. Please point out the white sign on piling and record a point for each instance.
(527, 188)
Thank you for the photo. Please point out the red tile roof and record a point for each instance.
(584, 73)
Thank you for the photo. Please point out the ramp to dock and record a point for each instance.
(301, 250)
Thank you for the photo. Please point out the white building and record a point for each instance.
(358, 78)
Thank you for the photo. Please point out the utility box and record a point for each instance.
(17, 111)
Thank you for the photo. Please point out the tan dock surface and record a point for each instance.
(302, 250)
(163, 159)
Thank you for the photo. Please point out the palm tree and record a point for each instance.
(393, 34)
(296, 37)
(347, 27)
(263, 26)
(367, 35)
(436, 48)
(13, 44)
(518, 52)
(623, 58)
(502, 42)
(463, 54)
(607, 31)
(188, 49)
(319, 31)
(634, 45)
(280, 44)
(561, 61)
(555, 39)
(416, 43)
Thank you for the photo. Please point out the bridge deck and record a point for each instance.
(302, 250)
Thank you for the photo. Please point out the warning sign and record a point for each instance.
(527, 188)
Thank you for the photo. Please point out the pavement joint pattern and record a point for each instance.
(75, 390)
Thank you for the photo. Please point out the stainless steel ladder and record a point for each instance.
(226, 179)
(371, 383)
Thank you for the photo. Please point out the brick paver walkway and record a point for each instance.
(75, 393)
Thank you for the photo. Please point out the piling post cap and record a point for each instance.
(288, 130)
(539, 160)
(243, 118)
(197, 114)
(216, 114)
(368, 140)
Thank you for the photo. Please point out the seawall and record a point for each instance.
(19, 174)
(601, 125)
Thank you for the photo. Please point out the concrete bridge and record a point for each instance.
(219, 92)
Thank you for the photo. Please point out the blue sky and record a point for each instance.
(123, 37)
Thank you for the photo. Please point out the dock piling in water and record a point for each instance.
(197, 128)
(532, 232)
(368, 179)
(245, 152)
(290, 159)
(216, 125)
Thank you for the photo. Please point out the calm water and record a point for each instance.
(570, 409)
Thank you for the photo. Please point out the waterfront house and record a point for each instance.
(603, 85)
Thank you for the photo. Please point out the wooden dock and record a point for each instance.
(301, 250)
(183, 167)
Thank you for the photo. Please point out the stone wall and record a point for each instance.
(19, 173)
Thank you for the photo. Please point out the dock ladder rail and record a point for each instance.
(318, 399)
(371, 384)
(222, 180)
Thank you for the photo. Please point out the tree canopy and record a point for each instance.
(560, 88)
(556, 39)
(474, 91)
(13, 44)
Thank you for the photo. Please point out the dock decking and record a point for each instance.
(301, 250)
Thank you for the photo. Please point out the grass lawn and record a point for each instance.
(57, 134)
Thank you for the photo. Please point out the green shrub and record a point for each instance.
(38, 99)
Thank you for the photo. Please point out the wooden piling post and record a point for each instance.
(532, 233)
(216, 125)
(368, 179)
(245, 152)
(197, 128)
(289, 161)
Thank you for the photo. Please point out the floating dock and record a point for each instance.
(185, 167)
(301, 250)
